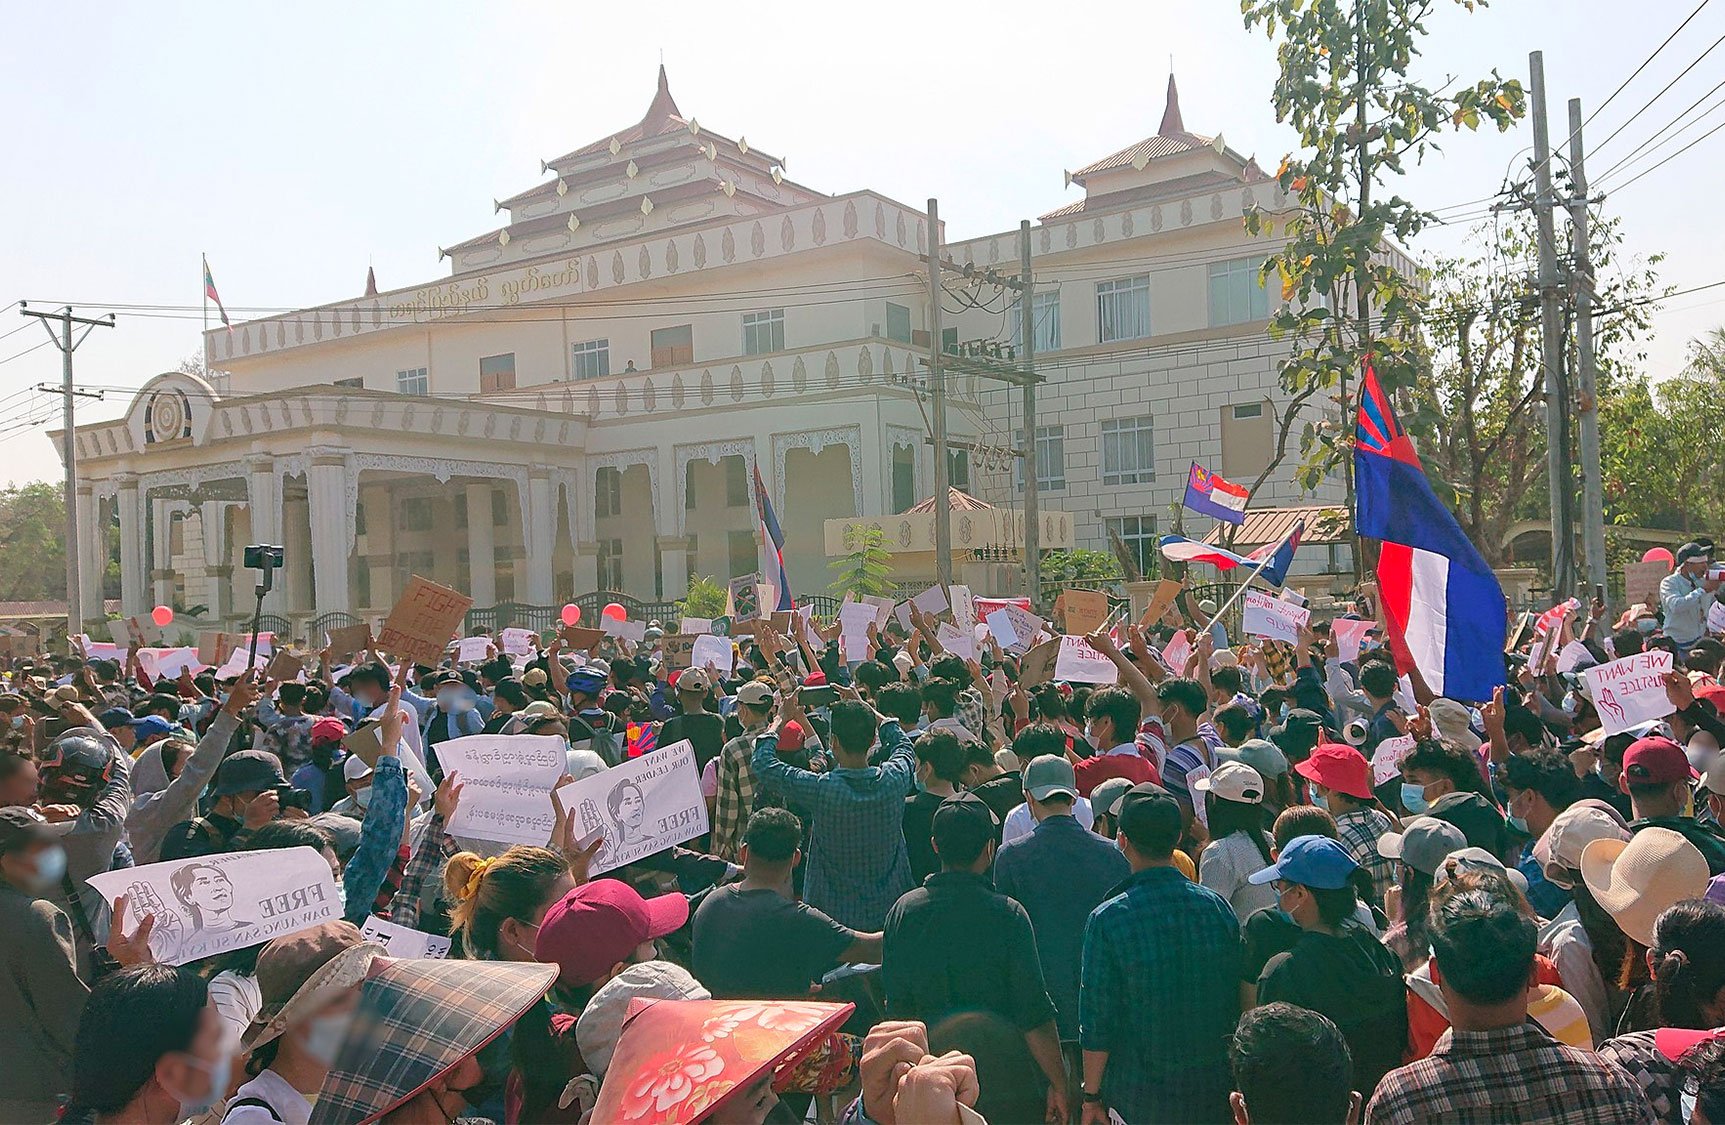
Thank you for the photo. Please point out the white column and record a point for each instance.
(539, 535)
(218, 572)
(481, 546)
(92, 553)
(296, 547)
(133, 591)
(161, 552)
(326, 491)
(264, 497)
(587, 568)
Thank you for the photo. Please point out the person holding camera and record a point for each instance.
(250, 791)
(154, 815)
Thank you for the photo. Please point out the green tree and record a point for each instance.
(33, 543)
(1660, 446)
(706, 598)
(865, 569)
(1344, 84)
(1061, 569)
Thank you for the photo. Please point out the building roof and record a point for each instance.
(1271, 525)
(958, 500)
(26, 611)
(1170, 139)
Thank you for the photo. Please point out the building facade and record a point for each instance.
(583, 403)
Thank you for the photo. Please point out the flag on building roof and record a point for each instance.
(1209, 495)
(1443, 604)
(210, 293)
(1280, 554)
(773, 547)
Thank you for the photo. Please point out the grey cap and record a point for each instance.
(1259, 753)
(1050, 774)
(1105, 798)
(1422, 843)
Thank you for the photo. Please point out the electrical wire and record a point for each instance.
(1669, 158)
(1660, 94)
(26, 351)
(1643, 145)
(1623, 164)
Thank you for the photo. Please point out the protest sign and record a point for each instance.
(901, 613)
(1631, 691)
(632, 631)
(640, 807)
(1641, 582)
(696, 626)
(1077, 662)
(284, 666)
(518, 642)
(716, 651)
(1086, 610)
(1014, 626)
(679, 648)
(239, 662)
(960, 642)
(854, 621)
(882, 607)
(1037, 667)
(122, 635)
(931, 601)
(422, 621)
(1716, 617)
(963, 607)
(1264, 615)
(215, 903)
(144, 631)
(168, 663)
(1177, 652)
(579, 638)
(506, 783)
(349, 640)
(1573, 655)
(401, 941)
(1349, 634)
(746, 597)
(472, 650)
(213, 648)
(1387, 761)
(1161, 601)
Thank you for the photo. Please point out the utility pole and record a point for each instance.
(1027, 329)
(937, 395)
(1551, 338)
(1581, 296)
(68, 444)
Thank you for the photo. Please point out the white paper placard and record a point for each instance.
(518, 642)
(632, 631)
(1077, 662)
(1264, 615)
(1177, 652)
(696, 626)
(168, 663)
(640, 807)
(1387, 761)
(932, 600)
(506, 783)
(215, 903)
(959, 642)
(402, 941)
(1349, 634)
(713, 650)
(1200, 801)
(854, 620)
(240, 660)
(1629, 692)
(882, 607)
(1716, 617)
(473, 650)
(901, 611)
(1572, 655)
(963, 606)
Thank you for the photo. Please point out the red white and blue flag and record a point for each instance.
(1443, 604)
(1280, 553)
(210, 293)
(773, 541)
(1210, 495)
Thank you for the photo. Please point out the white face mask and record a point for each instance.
(324, 1036)
(218, 1073)
(362, 797)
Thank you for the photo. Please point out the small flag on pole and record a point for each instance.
(773, 541)
(1177, 548)
(1210, 495)
(211, 294)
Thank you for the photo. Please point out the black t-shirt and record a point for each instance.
(1353, 979)
(757, 944)
(1001, 794)
(1268, 931)
(918, 828)
(705, 732)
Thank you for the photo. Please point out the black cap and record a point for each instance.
(1297, 733)
(449, 677)
(963, 823)
(1692, 551)
(19, 828)
(1148, 814)
(248, 771)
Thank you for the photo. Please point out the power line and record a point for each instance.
(1660, 94)
(1669, 158)
(1643, 150)
(1644, 64)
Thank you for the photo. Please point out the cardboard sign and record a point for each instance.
(1086, 610)
(518, 642)
(746, 597)
(679, 650)
(1161, 601)
(473, 650)
(216, 903)
(349, 640)
(716, 651)
(931, 601)
(1629, 692)
(401, 941)
(122, 635)
(1387, 761)
(578, 638)
(1077, 662)
(959, 642)
(506, 783)
(696, 626)
(285, 666)
(963, 607)
(1264, 615)
(632, 631)
(424, 618)
(1641, 581)
(639, 807)
(213, 648)
(1037, 667)
(1349, 635)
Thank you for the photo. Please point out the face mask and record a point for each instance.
(362, 797)
(324, 1035)
(18, 722)
(1414, 798)
(1519, 823)
(50, 868)
(1320, 801)
(527, 949)
(1282, 713)
(219, 1073)
(1571, 705)
(1647, 624)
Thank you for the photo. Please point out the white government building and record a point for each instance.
(580, 406)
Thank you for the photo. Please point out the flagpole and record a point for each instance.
(204, 336)
(1259, 569)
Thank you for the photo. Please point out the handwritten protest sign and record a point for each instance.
(640, 807)
(1077, 662)
(1264, 615)
(1572, 655)
(1641, 582)
(746, 597)
(1177, 652)
(1387, 761)
(168, 663)
(1037, 667)
(1014, 626)
(215, 903)
(1161, 601)
(349, 640)
(285, 666)
(239, 662)
(1349, 635)
(506, 783)
(963, 607)
(1086, 610)
(472, 650)
(716, 651)
(960, 642)
(401, 941)
(1629, 692)
(518, 642)
(932, 600)
(422, 621)
(679, 648)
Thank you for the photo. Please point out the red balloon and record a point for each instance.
(571, 614)
(1659, 554)
(162, 616)
(615, 612)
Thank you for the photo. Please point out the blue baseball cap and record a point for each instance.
(115, 717)
(1310, 861)
(150, 725)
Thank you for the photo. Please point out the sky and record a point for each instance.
(296, 145)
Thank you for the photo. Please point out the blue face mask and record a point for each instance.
(50, 867)
(1414, 798)
(1320, 801)
(1519, 823)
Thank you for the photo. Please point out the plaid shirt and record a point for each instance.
(857, 863)
(736, 796)
(1160, 994)
(1511, 1074)
(429, 858)
(1358, 831)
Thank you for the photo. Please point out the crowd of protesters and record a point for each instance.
(1278, 882)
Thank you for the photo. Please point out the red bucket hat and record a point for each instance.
(1339, 767)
